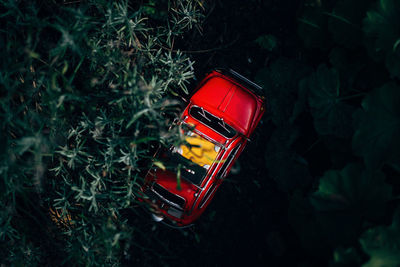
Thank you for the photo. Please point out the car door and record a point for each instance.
(227, 164)
(221, 174)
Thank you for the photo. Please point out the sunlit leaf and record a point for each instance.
(160, 165)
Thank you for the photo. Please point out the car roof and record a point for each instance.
(227, 100)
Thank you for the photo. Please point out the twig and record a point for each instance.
(200, 51)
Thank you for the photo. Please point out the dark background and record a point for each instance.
(262, 216)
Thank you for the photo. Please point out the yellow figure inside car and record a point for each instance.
(199, 150)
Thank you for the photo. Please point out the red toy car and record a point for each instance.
(220, 117)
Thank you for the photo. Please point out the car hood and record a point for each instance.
(168, 181)
(226, 100)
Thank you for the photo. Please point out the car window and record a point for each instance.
(225, 165)
(211, 121)
(189, 170)
(199, 150)
(193, 158)
(171, 198)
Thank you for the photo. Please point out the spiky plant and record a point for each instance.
(84, 90)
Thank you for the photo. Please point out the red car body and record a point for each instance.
(221, 114)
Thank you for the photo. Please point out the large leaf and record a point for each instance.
(377, 127)
(284, 165)
(345, 257)
(280, 81)
(332, 116)
(347, 64)
(313, 26)
(344, 200)
(345, 22)
(382, 28)
(382, 244)
(357, 71)
(354, 190)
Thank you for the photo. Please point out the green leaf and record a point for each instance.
(377, 127)
(348, 65)
(178, 177)
(25, 143)
(346, 257)
(267, 41)
(382, 244)
(353, 190)
(137, 115)
(312, 26)
(331, 115)
(284, 165)
(280, 82)
(344, 199)
(160, 165)
(345, 22)
(382, 29)
(303, 220)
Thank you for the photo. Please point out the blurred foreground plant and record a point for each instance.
(82, 95)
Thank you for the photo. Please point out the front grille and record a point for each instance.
(170, 198)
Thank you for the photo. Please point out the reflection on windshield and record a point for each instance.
(213, 122)
(195, 157)
(192, 159)
(198, 150)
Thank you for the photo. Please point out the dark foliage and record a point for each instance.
(87, 88)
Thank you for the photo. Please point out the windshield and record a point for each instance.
(213, 122)
(189, 170)
(193, 158)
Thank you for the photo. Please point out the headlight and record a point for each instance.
(157, 218)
